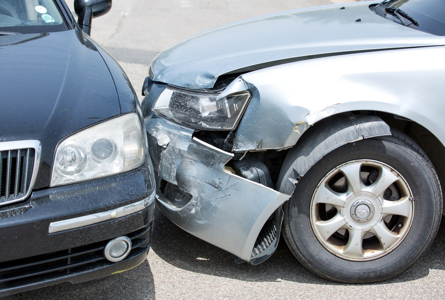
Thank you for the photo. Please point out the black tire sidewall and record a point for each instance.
(420, 177)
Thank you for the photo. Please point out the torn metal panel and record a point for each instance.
(225, 210)
(162, 133)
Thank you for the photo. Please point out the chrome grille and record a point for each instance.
(18, 169)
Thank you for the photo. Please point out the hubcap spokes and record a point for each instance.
(362, 210)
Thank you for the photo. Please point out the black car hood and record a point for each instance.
(52, 85)
(247, 45)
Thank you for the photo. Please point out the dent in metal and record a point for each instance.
(313, 118)
(269, 120)
(275, 130)
(225, 210)
(100, 217)
(299, 95)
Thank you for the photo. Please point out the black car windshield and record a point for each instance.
(30, 16)
(423, 15)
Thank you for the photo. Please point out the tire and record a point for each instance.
(360, 229)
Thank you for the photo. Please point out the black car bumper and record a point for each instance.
(45, 240)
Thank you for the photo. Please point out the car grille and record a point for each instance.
(17, 170)
(65, 263)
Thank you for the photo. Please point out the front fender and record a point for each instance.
(288, 99)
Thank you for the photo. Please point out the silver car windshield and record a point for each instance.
(30, 16)
(423, 15)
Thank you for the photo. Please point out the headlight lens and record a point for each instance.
(106, 149)
(201, 110)
(103, 150)
(71, 159)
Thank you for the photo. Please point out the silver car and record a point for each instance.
(324, 125)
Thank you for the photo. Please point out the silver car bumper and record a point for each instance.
(202, 197)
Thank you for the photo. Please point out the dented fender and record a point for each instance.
(290, 98)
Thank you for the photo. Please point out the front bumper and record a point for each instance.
(43, 243)
(204, 199)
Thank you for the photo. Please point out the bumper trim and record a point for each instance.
(101, 216)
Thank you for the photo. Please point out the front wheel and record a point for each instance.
(365, 212)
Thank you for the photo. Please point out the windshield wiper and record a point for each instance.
(384, 8)
(402, 16)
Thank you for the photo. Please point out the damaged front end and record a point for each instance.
(218, 154)
(212, 193)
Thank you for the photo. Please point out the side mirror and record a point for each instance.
(86, 10)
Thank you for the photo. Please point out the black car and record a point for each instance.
(77, 192)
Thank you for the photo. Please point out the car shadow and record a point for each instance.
(187, 252)
(134, 284)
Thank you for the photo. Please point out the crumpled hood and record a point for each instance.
(197, 62)
(52, 85)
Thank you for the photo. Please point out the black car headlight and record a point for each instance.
(203, 111)
(109, 148)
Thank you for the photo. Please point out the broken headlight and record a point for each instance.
(109, 148)
(201, 110)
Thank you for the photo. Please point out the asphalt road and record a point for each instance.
(179, 265)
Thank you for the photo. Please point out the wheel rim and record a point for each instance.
(362, 210)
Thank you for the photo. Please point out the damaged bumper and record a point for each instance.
(198, 194)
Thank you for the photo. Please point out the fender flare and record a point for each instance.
(324, 137)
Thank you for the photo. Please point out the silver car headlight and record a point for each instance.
(106, 149)
(201, 110)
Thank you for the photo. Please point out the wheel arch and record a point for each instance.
(332, 132)
(324, 137)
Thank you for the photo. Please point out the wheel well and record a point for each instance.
(429, 143)
(422, 136)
